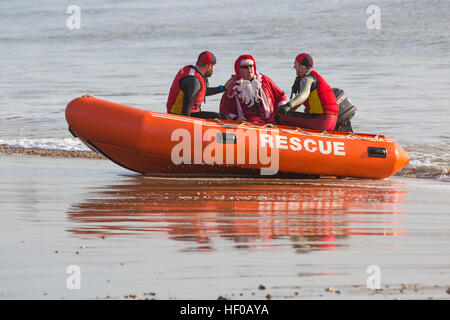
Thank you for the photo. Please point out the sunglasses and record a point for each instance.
(246, 67)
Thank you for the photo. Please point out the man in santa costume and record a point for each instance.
(253, 97)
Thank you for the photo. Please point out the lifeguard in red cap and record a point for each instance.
(321, 108)
(190, 87)
(251, 96)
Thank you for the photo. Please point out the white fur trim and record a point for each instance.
(264, 100)
(281, 103)
(246, 61)
(239, 108)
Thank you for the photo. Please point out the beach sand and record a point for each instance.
(138, 237)
(8, 151)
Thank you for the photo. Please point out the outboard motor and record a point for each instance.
(346, 111)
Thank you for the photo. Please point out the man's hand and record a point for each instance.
(284, 109)
(230, 82)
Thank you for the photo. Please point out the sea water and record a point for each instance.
(202, 238)
(390, 57)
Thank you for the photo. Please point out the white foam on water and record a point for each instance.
(68, 144)
(428, 161)
(426, 169)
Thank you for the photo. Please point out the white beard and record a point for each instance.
(248, 92)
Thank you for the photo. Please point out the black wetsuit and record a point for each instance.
(191, 86)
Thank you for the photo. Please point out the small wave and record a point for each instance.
(428, 162)
(67, 144)
(424, 171)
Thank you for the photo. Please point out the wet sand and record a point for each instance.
(140, 237)
(7, 151)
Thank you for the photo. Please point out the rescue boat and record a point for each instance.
(157, 143)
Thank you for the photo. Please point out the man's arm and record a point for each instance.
(191, 87)
(305, 89)
(228, 107)
(220, 89)
(227, 103)
(214, 90)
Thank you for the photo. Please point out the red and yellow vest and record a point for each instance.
(321, 100)
(175, 99)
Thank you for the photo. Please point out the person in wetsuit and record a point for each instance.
(321, 107)
(190, 87)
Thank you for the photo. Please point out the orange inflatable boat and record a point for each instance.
(167, 144)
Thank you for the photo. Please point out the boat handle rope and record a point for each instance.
(351, 135)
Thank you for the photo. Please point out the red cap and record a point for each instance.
(206, 57)
(305, 59)
(245, 59)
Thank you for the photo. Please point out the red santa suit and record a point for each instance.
(255, 100)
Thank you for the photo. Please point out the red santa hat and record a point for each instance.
(244, 60)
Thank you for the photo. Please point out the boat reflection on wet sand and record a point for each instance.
(252, 213)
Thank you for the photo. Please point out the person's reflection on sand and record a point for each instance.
(254, 214)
